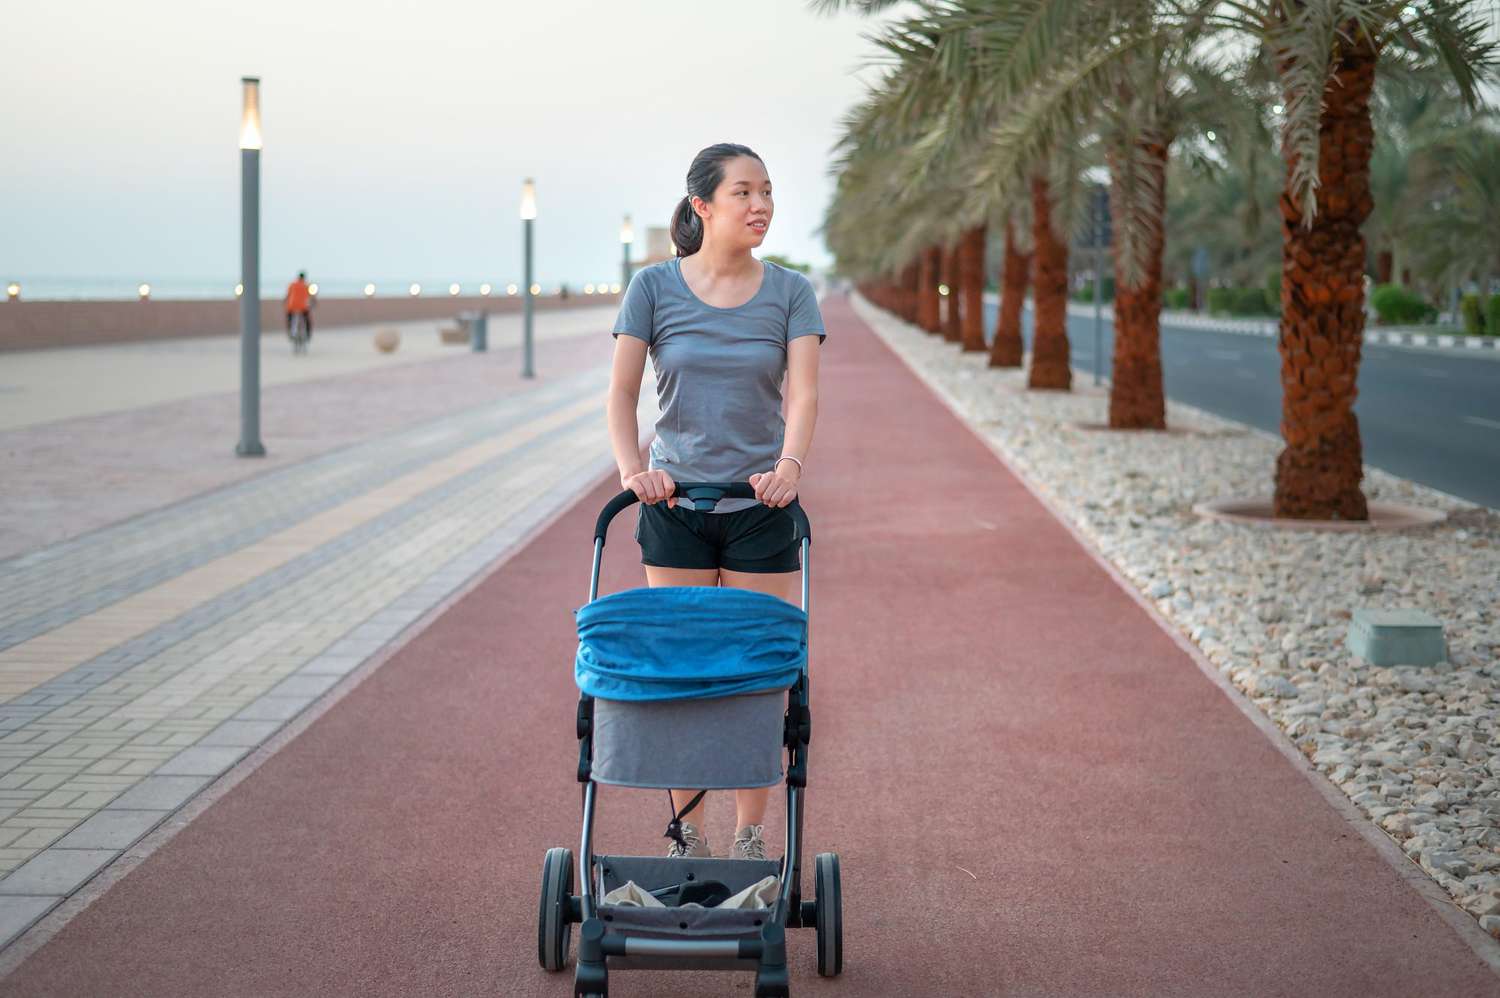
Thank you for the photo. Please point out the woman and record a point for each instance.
(723, 330)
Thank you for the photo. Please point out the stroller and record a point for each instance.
(658, 704)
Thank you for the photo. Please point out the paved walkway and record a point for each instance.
(1033, 789)
(140, 660)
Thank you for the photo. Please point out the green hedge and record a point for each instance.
(1176, 298)
(1492, 316)
(1472, 310)
(1240, 302)
(1106, 291)
(1396, 304)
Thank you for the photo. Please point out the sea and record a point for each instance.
(42, 287)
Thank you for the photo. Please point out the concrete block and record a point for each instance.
(1397, 637)
(17, 914)
(56, 871)
(111, 830)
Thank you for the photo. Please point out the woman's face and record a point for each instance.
(741, 209)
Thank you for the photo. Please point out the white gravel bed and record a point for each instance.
(1413, 748)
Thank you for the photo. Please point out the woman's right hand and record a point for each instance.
(652, 486)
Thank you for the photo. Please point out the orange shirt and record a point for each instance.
(297, 297)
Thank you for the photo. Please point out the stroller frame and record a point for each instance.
(762, 949)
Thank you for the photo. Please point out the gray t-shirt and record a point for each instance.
(718, 370)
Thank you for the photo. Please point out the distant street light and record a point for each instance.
(453, 289)
(369, 291)
(511, 289)
(528, 218)
(239, 289)
(415, 290)
(250, 143)
(627, 236)
(12, 291)
(144, 291)
(484, 289)
(312, 289)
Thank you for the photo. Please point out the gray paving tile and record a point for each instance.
(17, 914)
(111, 830)
(54, 871)
(201, 761)
(269, 708)
(159, 793)
(313, 685)
(246, 733)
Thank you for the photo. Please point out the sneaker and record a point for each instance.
(749, 843)
(697, 845)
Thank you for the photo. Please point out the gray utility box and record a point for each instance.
(1397, 637)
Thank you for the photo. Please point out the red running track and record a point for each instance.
(986, 700)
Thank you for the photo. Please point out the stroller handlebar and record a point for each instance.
(703, 496)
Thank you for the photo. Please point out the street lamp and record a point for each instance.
(627, 236)
(528, 217)
(12, 291)
(250, 142)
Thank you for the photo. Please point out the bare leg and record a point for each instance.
(750, 805)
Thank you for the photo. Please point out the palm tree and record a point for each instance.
(971, 249)
(1006, 348)
(1049, 280)
(1325, 54)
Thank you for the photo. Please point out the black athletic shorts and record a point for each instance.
(759, 539)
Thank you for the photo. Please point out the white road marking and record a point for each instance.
(1481, 421)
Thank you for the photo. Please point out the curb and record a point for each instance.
(1397, 336)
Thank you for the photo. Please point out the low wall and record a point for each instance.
(37, 325)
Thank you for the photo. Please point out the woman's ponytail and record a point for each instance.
(687, 228)
(704, 177)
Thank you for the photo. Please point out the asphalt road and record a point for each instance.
(1426, 415)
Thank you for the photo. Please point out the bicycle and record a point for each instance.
(297, 332)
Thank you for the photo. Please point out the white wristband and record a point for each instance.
(788, 457)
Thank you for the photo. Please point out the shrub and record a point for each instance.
(1273, 288)
(1249, 301)
(1396, 304)
(1085, 294)
(1220, 300)
(1492, 316)
(1176, 298)
(1471, 308)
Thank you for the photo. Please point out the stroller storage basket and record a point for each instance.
(721, 743)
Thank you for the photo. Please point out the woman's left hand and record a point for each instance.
(777, 487)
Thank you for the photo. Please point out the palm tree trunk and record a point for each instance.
(1135, 395)
(928, 302)
(911, 290)
(1322, 304)
(951, 331)
(1049, 340)
(1006, 349)
(971, 281)
(1384, 266)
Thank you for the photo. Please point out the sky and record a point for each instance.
(397, 135)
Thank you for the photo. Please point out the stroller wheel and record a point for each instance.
(554, 930)
(830, 919)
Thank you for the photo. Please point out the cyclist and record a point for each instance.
(299, 302)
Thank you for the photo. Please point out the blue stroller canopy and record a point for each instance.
(688, 643)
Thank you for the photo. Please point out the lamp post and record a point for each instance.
(627, 236)
(528, 216)
(250, 141)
